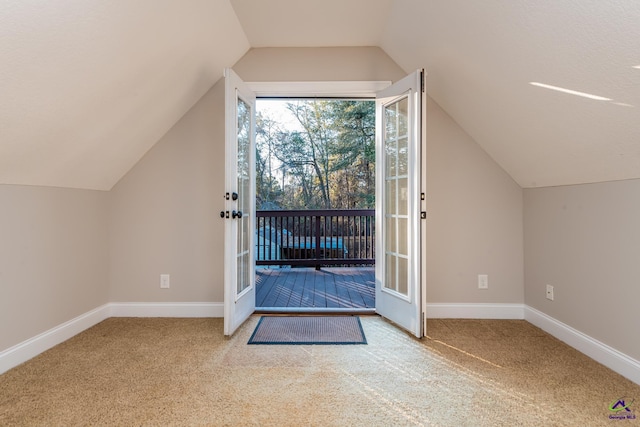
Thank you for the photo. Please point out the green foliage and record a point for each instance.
(326, 162)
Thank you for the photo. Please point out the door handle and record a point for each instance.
(236, 214)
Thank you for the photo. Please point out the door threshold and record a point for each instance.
(313, 310)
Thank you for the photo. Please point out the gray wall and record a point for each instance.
(53, 258)
(585, 241)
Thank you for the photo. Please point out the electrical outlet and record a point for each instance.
(483, 281)
(550, 292)
(165, 282)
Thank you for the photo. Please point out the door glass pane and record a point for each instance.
(403, 276)
(396, 194)
(403, 116)
(403, 156)
(244, 129)
(390, 114)
(390, 157)
(403, 236)
(390, 272)
(390, 234)
(403, 196)
(390, 197)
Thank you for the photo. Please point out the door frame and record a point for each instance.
(327, 89)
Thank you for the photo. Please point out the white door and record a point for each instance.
(239, 272)
(400, 203)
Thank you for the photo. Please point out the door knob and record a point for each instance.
(234, 196)
(236, 214)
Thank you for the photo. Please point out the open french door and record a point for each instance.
(239, 213)
(401, 203)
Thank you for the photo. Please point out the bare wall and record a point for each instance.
(474, 220)
(585, 241)
(164, 213)
(53, 258)
(317, 64)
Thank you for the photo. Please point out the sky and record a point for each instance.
(276, 109)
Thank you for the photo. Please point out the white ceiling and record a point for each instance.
(481, 56)
(88, 86)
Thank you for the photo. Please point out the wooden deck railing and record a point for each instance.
(315, 238)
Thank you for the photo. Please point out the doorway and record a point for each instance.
(400, 287)
(315, 204)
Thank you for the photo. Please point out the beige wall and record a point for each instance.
(53, 258)
(474, 221)
(165, 210)
(164, 213)
(317, 64)
(585, 241)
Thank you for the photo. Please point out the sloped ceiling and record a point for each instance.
(482, 55)
(88, 86)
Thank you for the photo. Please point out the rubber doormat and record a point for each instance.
(305, 330)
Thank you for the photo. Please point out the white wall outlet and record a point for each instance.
(165, 282)
(550, 292)
(483, 281)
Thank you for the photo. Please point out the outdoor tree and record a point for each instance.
(325, 161)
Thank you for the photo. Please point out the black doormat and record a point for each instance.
(300, 330)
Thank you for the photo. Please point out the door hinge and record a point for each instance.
(422, 81)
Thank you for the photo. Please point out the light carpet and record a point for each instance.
(183, 372)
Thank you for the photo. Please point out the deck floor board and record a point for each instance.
(330, 287)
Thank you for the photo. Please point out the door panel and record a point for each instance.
(400, 151)
(239, 286)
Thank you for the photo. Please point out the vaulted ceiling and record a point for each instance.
(88, 86)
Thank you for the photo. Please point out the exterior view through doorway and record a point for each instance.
(315, 205)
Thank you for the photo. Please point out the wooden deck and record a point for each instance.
(328, 288)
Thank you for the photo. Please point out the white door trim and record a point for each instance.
(337, 89)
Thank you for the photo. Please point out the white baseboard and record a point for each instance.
(475, 311)
(169, 309)
(598, 351)
(602, 353)
(20, 353)
(30, 348)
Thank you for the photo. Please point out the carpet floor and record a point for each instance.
(154, 372)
